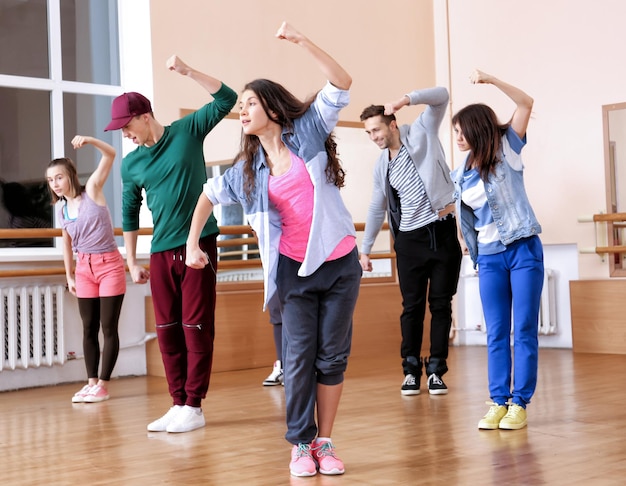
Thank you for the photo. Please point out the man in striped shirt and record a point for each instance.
(412, 186)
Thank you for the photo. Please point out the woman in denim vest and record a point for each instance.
(500, 230)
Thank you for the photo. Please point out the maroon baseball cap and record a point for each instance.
(125, 107)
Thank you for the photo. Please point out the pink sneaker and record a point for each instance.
(302, 462)
(96, 394)
(79, 396)
(324, 454)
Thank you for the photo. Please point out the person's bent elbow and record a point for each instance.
(344, 83)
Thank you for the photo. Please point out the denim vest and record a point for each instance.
(509, 205)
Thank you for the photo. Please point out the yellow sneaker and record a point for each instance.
(515, 418)
(492, 419)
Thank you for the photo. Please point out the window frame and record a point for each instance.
(134, 35)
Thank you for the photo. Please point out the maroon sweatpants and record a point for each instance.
(184, 308)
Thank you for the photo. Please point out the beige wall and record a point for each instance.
(235, 42)
(565, 54)
(568, 56)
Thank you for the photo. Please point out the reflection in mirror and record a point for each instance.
(614, 121)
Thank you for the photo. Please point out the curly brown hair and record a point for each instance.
(276, 99)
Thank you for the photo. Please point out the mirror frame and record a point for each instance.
(613, 228)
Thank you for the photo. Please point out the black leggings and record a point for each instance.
(93, 311)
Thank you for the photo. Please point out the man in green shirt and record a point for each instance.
(169, 165)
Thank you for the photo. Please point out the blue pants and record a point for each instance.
(317, 334)
(512, 281)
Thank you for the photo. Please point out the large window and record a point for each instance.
(23, 28)
(59, 71)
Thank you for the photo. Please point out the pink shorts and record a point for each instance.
(100, 275)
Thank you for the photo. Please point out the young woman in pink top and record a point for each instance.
(287, 178)
(99, 279)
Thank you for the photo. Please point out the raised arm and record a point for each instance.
(523, 102)
(436, 100)
(96, 180)
(337, 75)
(211, 84)
(394, 106)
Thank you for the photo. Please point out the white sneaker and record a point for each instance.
(96, 394)
(189, 418)
(160, 425)
(79, 396)
(276, 376)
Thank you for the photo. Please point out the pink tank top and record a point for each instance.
(292, 194)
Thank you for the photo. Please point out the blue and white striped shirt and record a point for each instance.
(416, 210)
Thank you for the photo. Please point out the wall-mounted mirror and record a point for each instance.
(614, 121)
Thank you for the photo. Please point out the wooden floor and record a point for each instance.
(576, 433)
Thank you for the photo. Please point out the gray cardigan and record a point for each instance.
(421, 140)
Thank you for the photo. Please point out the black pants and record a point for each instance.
(94, 312)
(428, 261)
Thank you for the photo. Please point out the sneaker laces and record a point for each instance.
(513, 410)
(172, 411)
(409, 380)
(325, 449)
(304, 450)
(84, 390)
(493, 409)
(434, 379)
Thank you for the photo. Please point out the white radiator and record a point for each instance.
(31, 326)
(547, 324)
(547, 308)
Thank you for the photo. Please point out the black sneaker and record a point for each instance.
(436, 386)
(410, 385)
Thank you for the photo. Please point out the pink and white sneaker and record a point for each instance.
(324, 454)
(302, 462)
(96, 394)
(79, 396)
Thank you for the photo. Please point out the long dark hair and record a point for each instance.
(69, 167)
(274, 98)
(483, 133)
